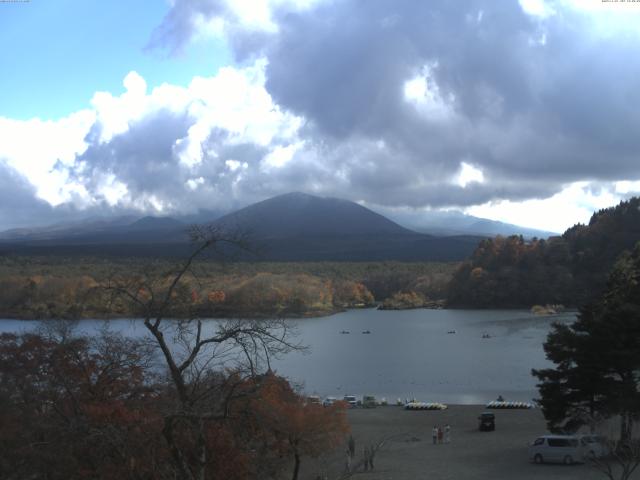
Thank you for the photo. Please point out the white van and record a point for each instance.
(351, 400)
(565, 449)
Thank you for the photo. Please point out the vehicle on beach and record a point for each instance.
(352, 401)
(567, 449)
(329, 401)
(487, 422)
(314, 400)
(369, 401)
(594, 446)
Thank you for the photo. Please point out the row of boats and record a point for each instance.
(425, 406)
(484, 335)
(450, 332)
(502, 404)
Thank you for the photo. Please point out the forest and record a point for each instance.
(74, 287)
(569, 269)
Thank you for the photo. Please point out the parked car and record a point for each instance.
(314, 400)
(595, 446)
(565, 449)
(351, 400)
(487, 422)
(329, 401)
(369, 401)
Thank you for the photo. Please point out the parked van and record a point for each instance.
(369, 401)
(351, 400)
(329, 401)
(565, 449)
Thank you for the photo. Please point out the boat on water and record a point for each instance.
(344, 332)
(366, 332)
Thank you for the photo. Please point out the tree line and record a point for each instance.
(568, 269)
(46, 288)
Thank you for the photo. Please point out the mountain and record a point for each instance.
(113, 231)
(155, 224)
(298, 226)
(290, 227)
(301, 215)
(453, 222)
(66, 229)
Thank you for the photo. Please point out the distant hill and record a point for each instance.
(568, 269)
(155, 224)
(66, 229)
(293, 226)
(301, 215)
(453, 222)
(114, 231)
(298, 226)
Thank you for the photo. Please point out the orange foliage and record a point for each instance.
(298, 427)
(216, 296)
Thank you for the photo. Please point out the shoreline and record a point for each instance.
(287, 316)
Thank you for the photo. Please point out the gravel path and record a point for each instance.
(409, 453)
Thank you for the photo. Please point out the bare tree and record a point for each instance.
(208, 362)
(622, 461)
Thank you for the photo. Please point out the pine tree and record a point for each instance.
(597, 358)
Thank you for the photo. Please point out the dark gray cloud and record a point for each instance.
(19, 206)
(534, 103)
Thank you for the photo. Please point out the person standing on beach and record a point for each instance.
(372, 452)
(447, 433)
(439, 435)
(352, 446)
(366, 459)
(434, 434)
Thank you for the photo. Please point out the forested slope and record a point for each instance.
(569, 269)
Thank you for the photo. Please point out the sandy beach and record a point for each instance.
(408, 452)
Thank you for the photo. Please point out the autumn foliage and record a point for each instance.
(79, 408)
(569, 269)
(52, 287)
(75, 408)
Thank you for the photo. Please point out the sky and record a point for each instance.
(520, 111)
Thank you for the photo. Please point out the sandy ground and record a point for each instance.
(409, 453)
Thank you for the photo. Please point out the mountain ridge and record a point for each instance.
(290, 227)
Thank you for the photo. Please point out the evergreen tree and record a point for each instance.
(597, 358)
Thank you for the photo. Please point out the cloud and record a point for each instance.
(398, 104)
(177, 149)
(528, 91)
(19, 206)
(40, 149)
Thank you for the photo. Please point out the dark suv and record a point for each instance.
(487, 422)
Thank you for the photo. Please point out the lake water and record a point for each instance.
(408, 354)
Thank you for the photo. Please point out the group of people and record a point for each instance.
(369, 454)
(441, 435)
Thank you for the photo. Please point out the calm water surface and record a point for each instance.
(407, 354)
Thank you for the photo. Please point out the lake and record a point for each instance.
(408, 354)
